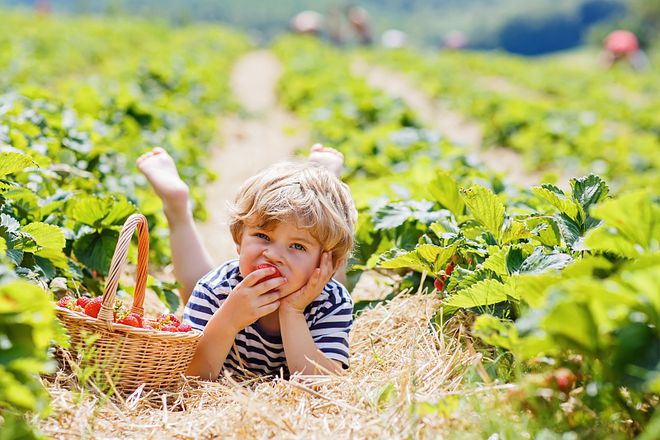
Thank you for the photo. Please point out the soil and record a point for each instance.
(459, 129)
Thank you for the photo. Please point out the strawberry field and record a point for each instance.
(484, 307)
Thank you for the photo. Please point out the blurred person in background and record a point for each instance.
(307, 22)
(622, 45)
(455, 40)
(359, 20)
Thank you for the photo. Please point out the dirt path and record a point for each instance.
(457, 128)
(250, 143)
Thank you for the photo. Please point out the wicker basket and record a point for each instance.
(128, 356)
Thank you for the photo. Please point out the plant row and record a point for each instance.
(562, 283)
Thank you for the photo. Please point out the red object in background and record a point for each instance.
(621, 42)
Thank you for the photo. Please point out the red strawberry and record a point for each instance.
(565, 379)
(83, 301)
(449, 268)
(138, 318)
(275, 274)
(184, 327)
(169, 328)
(130, 320)
(438, 284)
(64, 301)
(93, 306)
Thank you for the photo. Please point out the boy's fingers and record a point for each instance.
(270, 297)
(268, 285)
(269, 308)
(254, 277)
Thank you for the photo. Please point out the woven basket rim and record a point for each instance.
(123, 328)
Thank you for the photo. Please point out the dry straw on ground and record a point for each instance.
(398, 361)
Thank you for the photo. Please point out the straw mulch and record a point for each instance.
(398, 361)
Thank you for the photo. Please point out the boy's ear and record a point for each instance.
(339, 264)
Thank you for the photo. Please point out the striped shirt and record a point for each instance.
(329, 318)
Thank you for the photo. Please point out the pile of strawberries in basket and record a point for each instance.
(90, 306)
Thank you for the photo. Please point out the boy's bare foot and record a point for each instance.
(330, 158)
(160, 170)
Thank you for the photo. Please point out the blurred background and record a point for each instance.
(518, 26)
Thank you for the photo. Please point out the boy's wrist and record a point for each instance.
(222, 321)
(289, 312)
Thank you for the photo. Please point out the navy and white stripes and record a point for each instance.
(329, 318)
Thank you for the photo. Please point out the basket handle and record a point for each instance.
(119, 260)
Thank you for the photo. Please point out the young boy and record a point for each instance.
(277, 306)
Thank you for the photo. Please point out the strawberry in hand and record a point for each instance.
(276, 273)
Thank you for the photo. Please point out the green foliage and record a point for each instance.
(27, 328)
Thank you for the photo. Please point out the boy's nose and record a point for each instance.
(272, 255)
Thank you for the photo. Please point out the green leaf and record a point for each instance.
(541, 262)
(12, 162)
(514, 231)
(165, 292)
(445, 190)
(545, 229)
(531, 288)
(101, 212)
(558, 199)
(483, 293)
(570, 230)
(573, 324)
(631, 225)
(391, 215)
(486, 208)
(496, 332)
(95, 250)
(46, 236)
(497, 261)
(589, 190)
(399, 258)
(436, 256)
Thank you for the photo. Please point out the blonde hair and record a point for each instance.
(305, 193)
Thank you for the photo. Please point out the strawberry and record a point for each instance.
(166, 318)
(93, 306)
(438, 284)
(184, 327)
(565, 379)
(138, 318)
(64, 301)
(169, 328)
(449, 268)
(130, 320)
(83, 301)
(275, 274)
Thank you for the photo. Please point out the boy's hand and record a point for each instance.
(252, 298)
(298, 300)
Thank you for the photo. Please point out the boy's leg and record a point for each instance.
(333, 160)
(189, 257)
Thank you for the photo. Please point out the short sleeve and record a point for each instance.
(209, 293)
(332, 325)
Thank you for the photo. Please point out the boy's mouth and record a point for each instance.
(275, 274)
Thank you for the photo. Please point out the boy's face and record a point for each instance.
(291, 249)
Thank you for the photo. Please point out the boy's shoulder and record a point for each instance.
(227, 275)
(334, 295)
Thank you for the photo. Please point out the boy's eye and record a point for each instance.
(261, 235)
(298, 246)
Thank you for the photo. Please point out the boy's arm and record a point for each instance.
(190, 259)
(302, 354)
(213, 347)
(247, 302)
